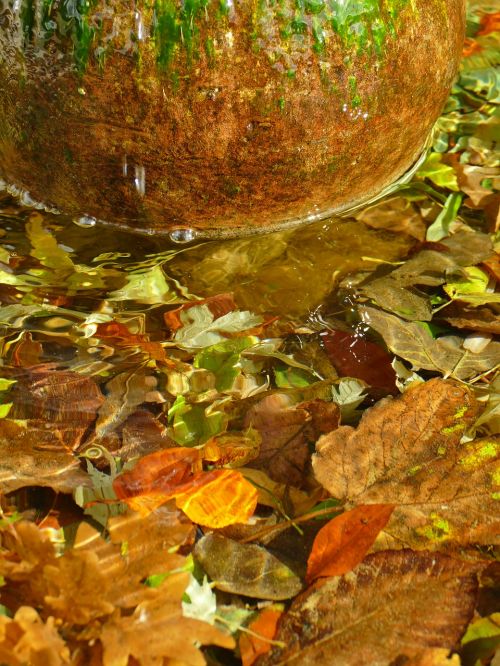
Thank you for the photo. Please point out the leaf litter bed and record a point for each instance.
(281, 450)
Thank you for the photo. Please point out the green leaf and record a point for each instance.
(441, 226)
(223, 359)
(5, 384)
(286, 377)
(473, 288)
(146, 286)
(194, 424)
(439, 173)
(45, 247)
(5, 409)
(99, 501)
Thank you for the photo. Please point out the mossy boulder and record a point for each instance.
(226, 117)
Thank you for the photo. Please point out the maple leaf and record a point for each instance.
(392, 607)
(407, 452)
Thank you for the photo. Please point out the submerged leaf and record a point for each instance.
(446, 355)
(245, 569)
(392, 607)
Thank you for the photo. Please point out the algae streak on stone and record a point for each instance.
(183, 31)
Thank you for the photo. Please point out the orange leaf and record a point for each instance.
(158, 472)
(489, 23)
(252, 647)
(218, 498)
(343, 542)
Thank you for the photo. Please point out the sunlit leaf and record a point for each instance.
(394, 605)
(429, 479)
(147, 286)
(438, 172)
(441, 226)
(343, 542)
(200, 328)
(201, 603)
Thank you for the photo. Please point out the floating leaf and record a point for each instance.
(343, 542)
(284, 451)
(413, 342)
(245, 569)
(392, 607)
(406, 451)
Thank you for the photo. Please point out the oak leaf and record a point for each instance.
(27, 639)
(344, 541)
(388, 610)
(406, 451)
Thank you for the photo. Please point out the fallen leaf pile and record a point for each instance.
(281, 450)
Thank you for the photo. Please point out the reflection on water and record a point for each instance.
(287, 274)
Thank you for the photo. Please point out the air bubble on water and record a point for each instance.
(140, 179)
(139, 26)
(85, 221)
(183, 235)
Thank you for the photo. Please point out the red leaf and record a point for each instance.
(354, 356)
(343, 542)
(489, 23)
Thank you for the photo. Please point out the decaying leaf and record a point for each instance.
(64, 400)
(414, 342)
(284, 452)
(479, 319)
(157, 629)
(406, 451)
(32, 455)
(391, 608)
(342, 543)
(249, 570)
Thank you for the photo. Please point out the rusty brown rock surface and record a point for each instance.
(227, 118)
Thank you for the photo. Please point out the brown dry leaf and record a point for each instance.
(31, 455)
(284, 451)
(26, 639)
(481, 320)
(390, 608)
(394, 214)
(157, 630)
(66, 401)
(142, 434)
(406, 451)
(249, 570)
(445, 355)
